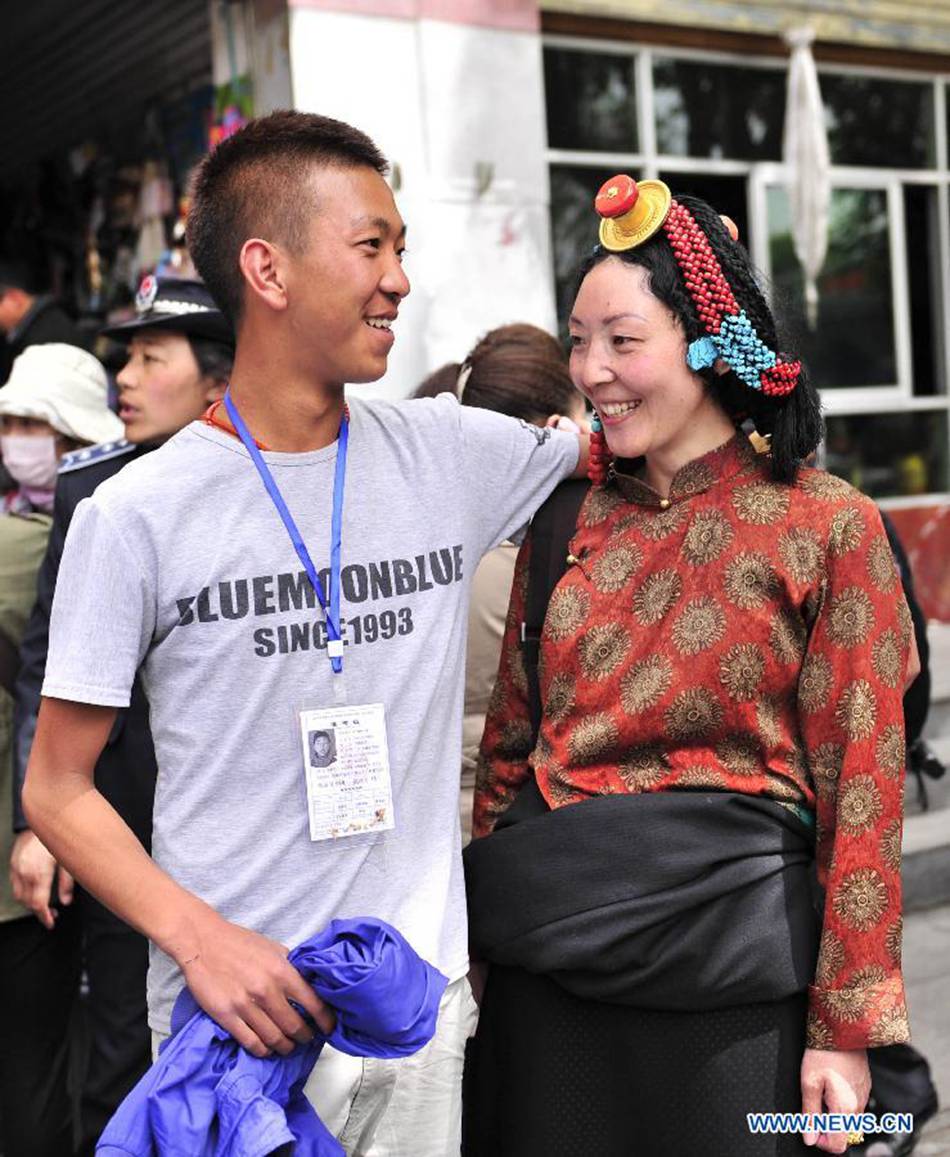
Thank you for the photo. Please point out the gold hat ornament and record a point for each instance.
(631, 211)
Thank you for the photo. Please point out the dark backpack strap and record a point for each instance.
(552, 529)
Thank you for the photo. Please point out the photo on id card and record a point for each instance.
(346, 766)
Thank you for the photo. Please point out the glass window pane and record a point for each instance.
(725, 194)
(717, 110)
(922, 241)
(885, 123)
(591, 100)
(853, 342)
(573, 226)
(888, 455)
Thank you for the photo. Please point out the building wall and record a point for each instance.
(453, 94)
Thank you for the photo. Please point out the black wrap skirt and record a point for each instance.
(648, 957)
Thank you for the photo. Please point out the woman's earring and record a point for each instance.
(599, 454)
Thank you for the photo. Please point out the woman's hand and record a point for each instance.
(834, 1081)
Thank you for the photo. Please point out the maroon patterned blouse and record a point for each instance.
(742, 635)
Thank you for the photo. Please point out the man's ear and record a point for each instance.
(261, 267)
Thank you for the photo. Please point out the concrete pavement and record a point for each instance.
(926, 965)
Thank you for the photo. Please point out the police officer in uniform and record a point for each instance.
(180, 350)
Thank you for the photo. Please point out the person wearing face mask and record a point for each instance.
(54, 401)
(179, 350)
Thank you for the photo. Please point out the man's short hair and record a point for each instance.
(251, 184)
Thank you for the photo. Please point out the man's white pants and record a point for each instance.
(410, 1107)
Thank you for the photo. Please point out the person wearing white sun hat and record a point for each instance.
(55, 400)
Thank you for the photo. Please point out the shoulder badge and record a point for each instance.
(89, 455)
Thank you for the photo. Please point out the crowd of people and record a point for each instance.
(233, 628)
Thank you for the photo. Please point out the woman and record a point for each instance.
(721, 675)
(519, 370)
(180, 350)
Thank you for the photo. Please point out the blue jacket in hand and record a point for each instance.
(207, 1097)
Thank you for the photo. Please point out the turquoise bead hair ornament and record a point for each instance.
(738, 344)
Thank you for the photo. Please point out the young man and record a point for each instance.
(321, 749)
(296, 234)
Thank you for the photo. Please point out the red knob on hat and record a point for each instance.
(617, 196)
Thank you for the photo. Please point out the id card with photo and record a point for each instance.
(346, 764)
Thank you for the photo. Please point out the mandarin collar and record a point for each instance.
(695, 477)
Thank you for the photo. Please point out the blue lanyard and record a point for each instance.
(332, 613)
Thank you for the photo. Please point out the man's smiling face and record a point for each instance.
(345, 288)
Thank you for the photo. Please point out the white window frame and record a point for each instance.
(840, 399)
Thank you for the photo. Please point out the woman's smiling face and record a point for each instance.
(628, 356)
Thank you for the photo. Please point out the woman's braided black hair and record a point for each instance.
(793, 421)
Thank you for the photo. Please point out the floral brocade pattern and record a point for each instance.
(749, 637)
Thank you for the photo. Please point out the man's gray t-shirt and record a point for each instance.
(181, 565)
